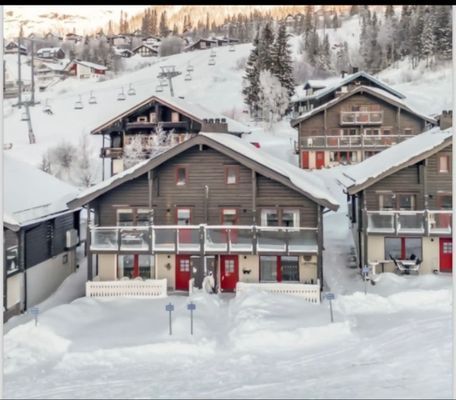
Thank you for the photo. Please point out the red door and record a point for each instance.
(305, 160)
(182, 272)
(229, 273)
(446, 255)
(320, 159)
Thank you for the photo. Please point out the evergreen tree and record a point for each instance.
(416, 34)
(282, 66)
(354, 10)
(404, 31)
(265, 48)
(443, 32)
(309, 25)
(252, 78)
(312, 47)
(163, 27)
(323, 61)
(335, 21)
(427, 37)
(389, 11)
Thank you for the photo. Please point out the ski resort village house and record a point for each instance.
(145, 50)
(85, 69)
(51, 53)
(401, 204)
(211, 203)
(159, 114)
(352, 120)
(40, 235)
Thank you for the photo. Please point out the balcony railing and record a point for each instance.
(111, 152)
(426, 222)
(353, 141)
(361, 117)
(152, 125)
(207, 239)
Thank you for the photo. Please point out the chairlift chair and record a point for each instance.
(78, 105)
(131, 91)
(24, 116)
(190, 68)
(121, 96)
(232, 48)
(211, 61)
(47, 108)
(92, 98)
(213, 53)
(163, 82)
(188, 77)
(159, 88)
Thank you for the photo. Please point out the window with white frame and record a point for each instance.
(290, 217)
(269, 217)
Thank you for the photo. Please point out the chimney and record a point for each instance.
(446, 119)
(355, 70)
(343, 73)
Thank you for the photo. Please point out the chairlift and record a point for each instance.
(232, 47)
(121, 95)
(163, 82)
(92, 98)
(213, 53)
(188, 77)
(78, 105)
(47, 108)
(131, 91)
(190, 68)
(211, 61)
(159, 88)
(24, 116)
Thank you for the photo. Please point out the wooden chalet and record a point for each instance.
(145, 50)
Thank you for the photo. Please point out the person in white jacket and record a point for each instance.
(209, 283)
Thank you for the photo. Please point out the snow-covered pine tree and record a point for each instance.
(342, 57)
(427, 36)
(282, 66)
(251, 79)
(416, 33)
(312, 47)
(309, 24)
(375, 50)
(265, 46)
(273, 98)
(443, 32)
(324, 56)
(404, 31)
(163, 27)
(133, 151)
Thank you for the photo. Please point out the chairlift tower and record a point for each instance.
(169, 72)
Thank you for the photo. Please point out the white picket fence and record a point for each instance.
(127, 288)
(308, 292)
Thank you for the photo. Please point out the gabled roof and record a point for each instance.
(86, 64)
(155, 50)
(49, 49)
(379, 93)
(395, 158)
(191, 110)
(31, 195)
(299, 180)
(337, 83)
(200, 40)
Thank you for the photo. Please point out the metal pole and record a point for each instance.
(33, 75)
(191, 321)
(171, 86)
(170, 329)
(19, 80)
(331, 310)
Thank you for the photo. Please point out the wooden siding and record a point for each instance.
(437, 181)
(46, 239)
(206, 167)
(407, 120)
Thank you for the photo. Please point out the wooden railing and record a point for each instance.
(308, 292)
(127, 288)
(342, 141)
(361, 117)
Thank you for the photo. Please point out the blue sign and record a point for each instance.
(169, 307)
(34, 311)
(365, 270)
(191, 306)
(330, 296)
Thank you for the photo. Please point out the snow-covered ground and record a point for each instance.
(394, 341)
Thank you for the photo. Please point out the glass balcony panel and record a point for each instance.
(302, 241)
(104, 239)
(189, 239)
(134, 239)
(271, 240)
(241, 239)
(216, 239)
(440, 222)
(380, 222)
(165, 239)
(410, 223)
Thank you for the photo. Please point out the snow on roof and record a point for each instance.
(196, 110)
(49, 49)
(148, 46)
(304, 180)
(91, 65)
(372, 90)
(31, 194)
(397, 155)
(339, 82)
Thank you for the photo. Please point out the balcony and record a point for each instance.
(207, 239)
(353, 141)
(111, 152)
(184, 125)
(361, 117)
(426, 222)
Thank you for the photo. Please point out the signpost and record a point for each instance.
(35, 311)
(191, 307)
(330, 296)
(365, 272)
(170, 308)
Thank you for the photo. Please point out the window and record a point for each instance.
(386, 201)
(125, 217)
(12, 259)
(229, 267)
(153, 117)
(387, 131)
(231, 174)
(133, 216)
(408, 131)
(290, 217)
(372, 131)
(183, 216)
(403, 248)
(133, 265)
(174, 117)
(406, 201)
(289, 268)
(229, 216)
(444, 164)
(349, 131)
(268, 268)
(445, 201)
(142, 216)
(181, 176)
(269, 217)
